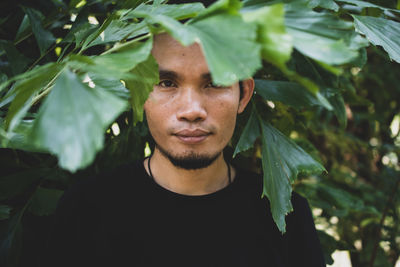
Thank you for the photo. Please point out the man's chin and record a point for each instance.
(189, 161)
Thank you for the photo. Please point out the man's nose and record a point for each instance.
(191, 106)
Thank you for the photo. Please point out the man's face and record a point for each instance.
(189, 117)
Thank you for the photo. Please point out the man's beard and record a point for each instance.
(190, 161)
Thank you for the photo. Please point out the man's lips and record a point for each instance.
(192, 136)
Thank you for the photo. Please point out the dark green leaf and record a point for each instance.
(25, 90)
(23, 29)
(16, 184)
(44, 201)
(5, 212)
(43, 37)
(322, 36)
(114, 65)
(339, 108)
(249, 135)
(380, 31)
(364, 4)
(141, 88)
(72, 120)
(16, 59)
(288, 93)
(282, 161)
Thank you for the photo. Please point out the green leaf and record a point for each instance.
(365, 4)
(124, 59)
(5, 212)
(288, 93)
(24, 91)
(177, 11)
(17, 60)
(282, 161)
(23, 29)
(339, 108)
(43, 37)
(276, 43)
(380, 31)
(118, 31)
(229, 46)
(141, 88)
(113, 86)
(231, 7)
(15, 184)
(72, 120)
(44, 201)
(18, 138)
(322, 36)
(328, 4)
(249, 135)
(114, 65)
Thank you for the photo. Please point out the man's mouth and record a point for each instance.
(192, 136)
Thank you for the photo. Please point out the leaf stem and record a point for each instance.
(115, 48)
(47, 89)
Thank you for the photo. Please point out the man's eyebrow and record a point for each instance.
(206, 76)
(168, 73)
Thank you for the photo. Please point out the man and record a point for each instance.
(184, 205)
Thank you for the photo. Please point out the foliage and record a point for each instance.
(74, 76)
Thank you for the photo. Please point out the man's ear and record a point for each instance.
(247, 93)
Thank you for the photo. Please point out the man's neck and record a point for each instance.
(189, 182)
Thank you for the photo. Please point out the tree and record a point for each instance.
(75, 74)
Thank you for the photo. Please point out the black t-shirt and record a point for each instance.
(124, 218)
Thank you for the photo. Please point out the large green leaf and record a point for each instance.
(282, 161)
(24, 91)
(116, 31)
(229, 47)
(249, 135)
(141, 88)
(124, 59)
(322, 36)
(288, 93)
(229, 44)
(380, 31)
(114, 65)
(44, 201)
(43, 37)
(72, 120)
(276, 43)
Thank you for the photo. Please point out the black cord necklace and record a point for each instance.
(152, 177)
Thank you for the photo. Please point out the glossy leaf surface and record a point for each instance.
(72, 120)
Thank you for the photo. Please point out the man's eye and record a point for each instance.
(166, 83)
(212, 85)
